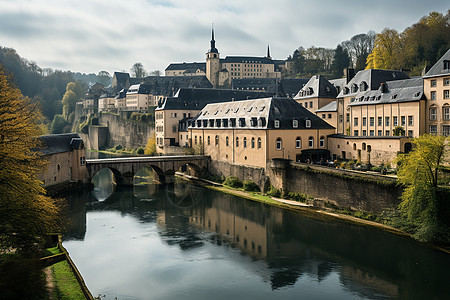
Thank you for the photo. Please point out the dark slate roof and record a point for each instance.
(60, 143)
(196, 99)
(338, 83)
(373, 79)
(278, 87)
(330, 107)
(187, 66)
(247, 59)
(122, 94)
(169, 85)
(408, 90)
(121, 76)
(438, 68)
(139, 89)
(317, 86)
(267, 110)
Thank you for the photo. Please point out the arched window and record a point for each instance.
(200, 139)
(311, 142)
(363, 146)
(279, 144)
(446, 112)
(322, 142)
(298, 142)
(209, 140)
(277, 123)
(253, 142)
(196, 140)
(59, 168)
(245, 142)
(354, 146)
(227, 141)
(433, 113)
(259, 143)
(217, 140)
(237, 142)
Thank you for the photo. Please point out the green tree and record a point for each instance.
(26, 214)
(58, 124)
(398, 131)
(104, 78)
(341, 61)
(74, 93)
(418, 172)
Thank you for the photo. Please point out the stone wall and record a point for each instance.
(340, 187)
(257, 175)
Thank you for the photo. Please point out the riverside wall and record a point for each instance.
(342, 188)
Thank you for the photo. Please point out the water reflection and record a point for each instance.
(273, 252)
(104, 184)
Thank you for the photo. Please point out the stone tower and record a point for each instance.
(213, 62)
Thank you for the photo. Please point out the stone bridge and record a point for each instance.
(125, 168)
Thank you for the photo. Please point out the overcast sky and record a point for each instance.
(94, 35)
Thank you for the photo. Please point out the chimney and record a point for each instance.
(349, 73)
(383, 87)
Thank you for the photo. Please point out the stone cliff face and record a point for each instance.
(113, 130)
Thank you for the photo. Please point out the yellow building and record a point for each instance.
(437, 92)
(252, 132)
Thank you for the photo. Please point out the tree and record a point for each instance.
(104, 78)
(398, 131)
(138, 70)
(155, 73)
(58, 124)
(418, 171)
(341, 61)
(74, 93)
(385, 51)
(26, 215)
(359, 47)
(150, 149)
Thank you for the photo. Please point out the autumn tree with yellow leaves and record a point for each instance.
(26, 214)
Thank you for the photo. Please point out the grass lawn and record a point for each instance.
(66, 284)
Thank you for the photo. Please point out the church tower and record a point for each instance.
(213, 62)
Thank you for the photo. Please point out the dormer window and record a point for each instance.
(295, 123)
(446, 64)
(308, 123)
(394, 96)
(346, 90)
(354, 88)
(211, 123)
(233, 122)
(205, 123)
(225, 122)
(363, 86)
(277, 124)
(241, 122)
(218, 122)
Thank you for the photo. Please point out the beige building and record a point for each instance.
(316, 93)
(437, 91)
(66, 159)
(137, 98)
(252, 132)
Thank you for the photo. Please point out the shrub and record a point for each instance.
(140, 151)
(274, 192)
(251, 186)
(118, 147)
(233, 181)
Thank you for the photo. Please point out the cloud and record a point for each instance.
(113, 35)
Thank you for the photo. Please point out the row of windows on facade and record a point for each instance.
(254, 122)
(445, 95)
(305, 104)
(372, 98)
(278, 143)
(445, 129)
(387, 121)
(410, 133)
(251, 88)
(445, 112)
(445, 81)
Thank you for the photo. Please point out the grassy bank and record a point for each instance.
(65, 283)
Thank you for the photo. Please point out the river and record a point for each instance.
(184, 241)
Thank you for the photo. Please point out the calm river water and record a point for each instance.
(183, 241)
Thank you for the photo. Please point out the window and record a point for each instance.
(410, 120)
(380, 133)
(82, 160)
(259, 143)
(253, 142)
(277, 123)
(371, 121)
(295, 123)
(174, 128)
(324, 116)
(380, 121)
(311, 142)
(306, 104)
(227, 141)
(403, 118)
(59, 167)
(209, 140)
(386, 121)
(355, 132)
(341, 118)
(386, 133)
(348, 118)
(308, 123)
(279, 144)
(446, 94)
(446, 112)
(310, 104)
(322, 142)
(446, 130)
(237, 142)
(355, 121)
(298, 142)
(395, 121)
(410, 133)
(433, 95)
(364, 121)
(200, 139)
(447, 81)
(433, 83)
(364, 132)
(329, 116)
(245, 142)
(433, 129)
(217, 140)
(372, 132)
(432, 113)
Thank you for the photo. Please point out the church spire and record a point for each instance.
(268, 51)
(213, 42)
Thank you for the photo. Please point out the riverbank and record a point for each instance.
(307, 209)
